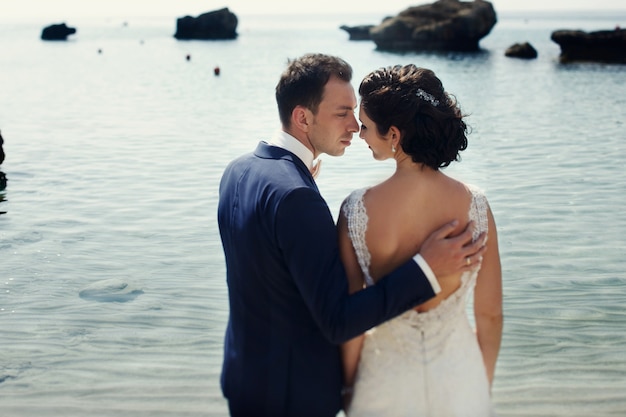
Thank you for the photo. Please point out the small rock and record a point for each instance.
(521, 50)
(58, 32)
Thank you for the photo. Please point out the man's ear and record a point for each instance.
(300, 118)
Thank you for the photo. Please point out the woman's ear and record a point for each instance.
(394, 136)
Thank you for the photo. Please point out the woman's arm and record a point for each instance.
(350, 350)
(488, 302)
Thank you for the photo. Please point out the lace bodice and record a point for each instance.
(356, 216)
(437, 321)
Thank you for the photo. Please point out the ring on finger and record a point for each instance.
(468, 261)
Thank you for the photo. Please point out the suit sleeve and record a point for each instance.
(307, 235)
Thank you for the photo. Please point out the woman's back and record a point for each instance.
(404, 210)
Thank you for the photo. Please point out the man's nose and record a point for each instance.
(354, 125)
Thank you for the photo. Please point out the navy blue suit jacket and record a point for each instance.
(288, 293)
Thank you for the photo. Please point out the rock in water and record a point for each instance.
(358, 33)
(600, 46)
(57, 32)
(219, 24)
(521, 50)
(445, 25)
(110, 290)
(1, 149)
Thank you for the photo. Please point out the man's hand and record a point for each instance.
(448, 255)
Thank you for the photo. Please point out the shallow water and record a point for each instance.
(113, 285)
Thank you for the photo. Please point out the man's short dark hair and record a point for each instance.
(302, 83)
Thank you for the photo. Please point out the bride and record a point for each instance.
(428, 361)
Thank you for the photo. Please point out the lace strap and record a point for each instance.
(478, 211)
(356, 217)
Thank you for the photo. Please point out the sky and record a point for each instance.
(63, 9)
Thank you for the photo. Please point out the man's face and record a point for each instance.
(332, 128)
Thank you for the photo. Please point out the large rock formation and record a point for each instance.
(58, 32)
(447, 25)
(601, 46)
(215, 25)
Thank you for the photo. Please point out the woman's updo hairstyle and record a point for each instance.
(413, 100)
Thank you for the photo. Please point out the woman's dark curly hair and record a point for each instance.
(413, 100)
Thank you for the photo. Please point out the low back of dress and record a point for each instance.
(421, 364)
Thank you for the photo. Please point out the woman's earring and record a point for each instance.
(393, 148)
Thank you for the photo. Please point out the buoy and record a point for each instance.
(216, 70)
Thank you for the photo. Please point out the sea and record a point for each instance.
(113, 298)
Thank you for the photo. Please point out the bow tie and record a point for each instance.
(315, 169)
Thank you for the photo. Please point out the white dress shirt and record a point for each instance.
(284, 140)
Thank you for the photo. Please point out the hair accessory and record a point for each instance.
(427, 97)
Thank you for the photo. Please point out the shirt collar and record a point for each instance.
(284, 140)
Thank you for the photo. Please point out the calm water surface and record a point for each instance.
(112, 283)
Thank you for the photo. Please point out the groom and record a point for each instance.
(288, 293)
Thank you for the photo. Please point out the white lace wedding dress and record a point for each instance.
(420, 364)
